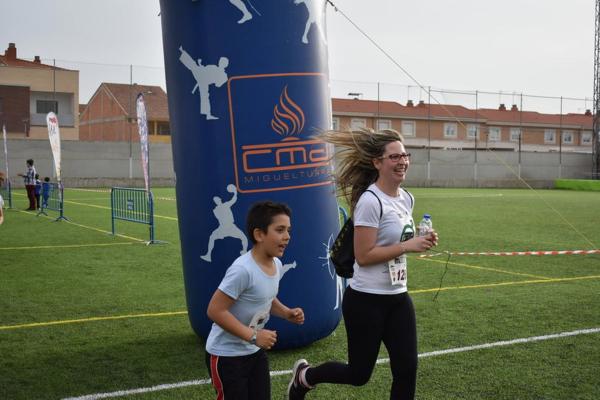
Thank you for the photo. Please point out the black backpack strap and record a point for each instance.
(379, 200)
(410, 196)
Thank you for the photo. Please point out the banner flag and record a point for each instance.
(5, 152)
(54, 136)
(143, 131)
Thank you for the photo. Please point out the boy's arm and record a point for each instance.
(295, 315)
(218, 311)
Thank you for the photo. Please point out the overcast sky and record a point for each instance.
(513, 46)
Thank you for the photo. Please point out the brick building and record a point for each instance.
(31, 89)
(111, 115)
(454, 126)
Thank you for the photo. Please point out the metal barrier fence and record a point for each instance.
(52, 198)
(133, 205)
(6, 193)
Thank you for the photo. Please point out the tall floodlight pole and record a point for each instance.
(596, 123)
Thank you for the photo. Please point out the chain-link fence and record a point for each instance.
(429, 117)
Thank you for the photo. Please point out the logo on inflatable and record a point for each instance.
(282, 159)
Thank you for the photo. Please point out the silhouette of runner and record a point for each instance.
(205, 75)
(226, 226)
(315, 8)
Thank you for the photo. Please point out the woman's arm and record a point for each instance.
(367, 253)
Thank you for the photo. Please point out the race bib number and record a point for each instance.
(397, 270)
(259, 320)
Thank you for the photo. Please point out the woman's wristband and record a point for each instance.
(402, 249)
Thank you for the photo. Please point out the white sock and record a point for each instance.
(302, 379)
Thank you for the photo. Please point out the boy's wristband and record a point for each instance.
(253, 339)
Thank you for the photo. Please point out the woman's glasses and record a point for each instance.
(396, 157)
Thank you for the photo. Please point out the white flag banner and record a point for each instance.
(54, 136)
(5, 151)
(143, 131)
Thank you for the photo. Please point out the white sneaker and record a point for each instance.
(296, 390)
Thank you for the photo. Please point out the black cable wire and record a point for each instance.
(443, 275)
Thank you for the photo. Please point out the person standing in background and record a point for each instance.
(38, 191)
(46, 189)
(29, 180)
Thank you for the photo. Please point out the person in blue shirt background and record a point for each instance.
(46, 187)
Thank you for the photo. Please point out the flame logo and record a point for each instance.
(288, 117)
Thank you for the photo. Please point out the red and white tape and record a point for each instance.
(515, 253)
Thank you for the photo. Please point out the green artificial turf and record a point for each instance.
(84, 312)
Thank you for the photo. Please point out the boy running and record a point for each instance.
(242, 304)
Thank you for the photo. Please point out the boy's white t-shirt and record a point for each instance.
(396, 225)
(1, 201)
(253, 291)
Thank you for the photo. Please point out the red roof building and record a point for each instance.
(111, 115)
(455, 126)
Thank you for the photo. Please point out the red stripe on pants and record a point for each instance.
(216, 379)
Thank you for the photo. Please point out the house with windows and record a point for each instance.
(537, 131)
(458, 127)
(111, 114)
(31, 89)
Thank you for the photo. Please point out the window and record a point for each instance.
(473, 131)
(408, 128)
(335, 123)
(45, 106)
(515, 134)
(450, 130)
(567, 137)
(586, 137)
(357, 123)
(163, 128)
(549, 136)
(495, 134)
(384, 124)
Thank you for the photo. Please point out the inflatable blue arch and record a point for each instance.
(248, 89)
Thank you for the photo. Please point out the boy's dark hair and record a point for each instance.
(261, 215)
(37, 176)
(46, 179)
(30, 161)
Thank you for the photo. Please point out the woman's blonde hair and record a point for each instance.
(355, 152)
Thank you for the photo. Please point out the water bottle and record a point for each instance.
(425, 226)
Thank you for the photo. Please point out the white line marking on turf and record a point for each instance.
(89, 190)
(198, 382)
(502, 343)
(142, 390)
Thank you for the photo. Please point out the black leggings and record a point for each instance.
(371, 319)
